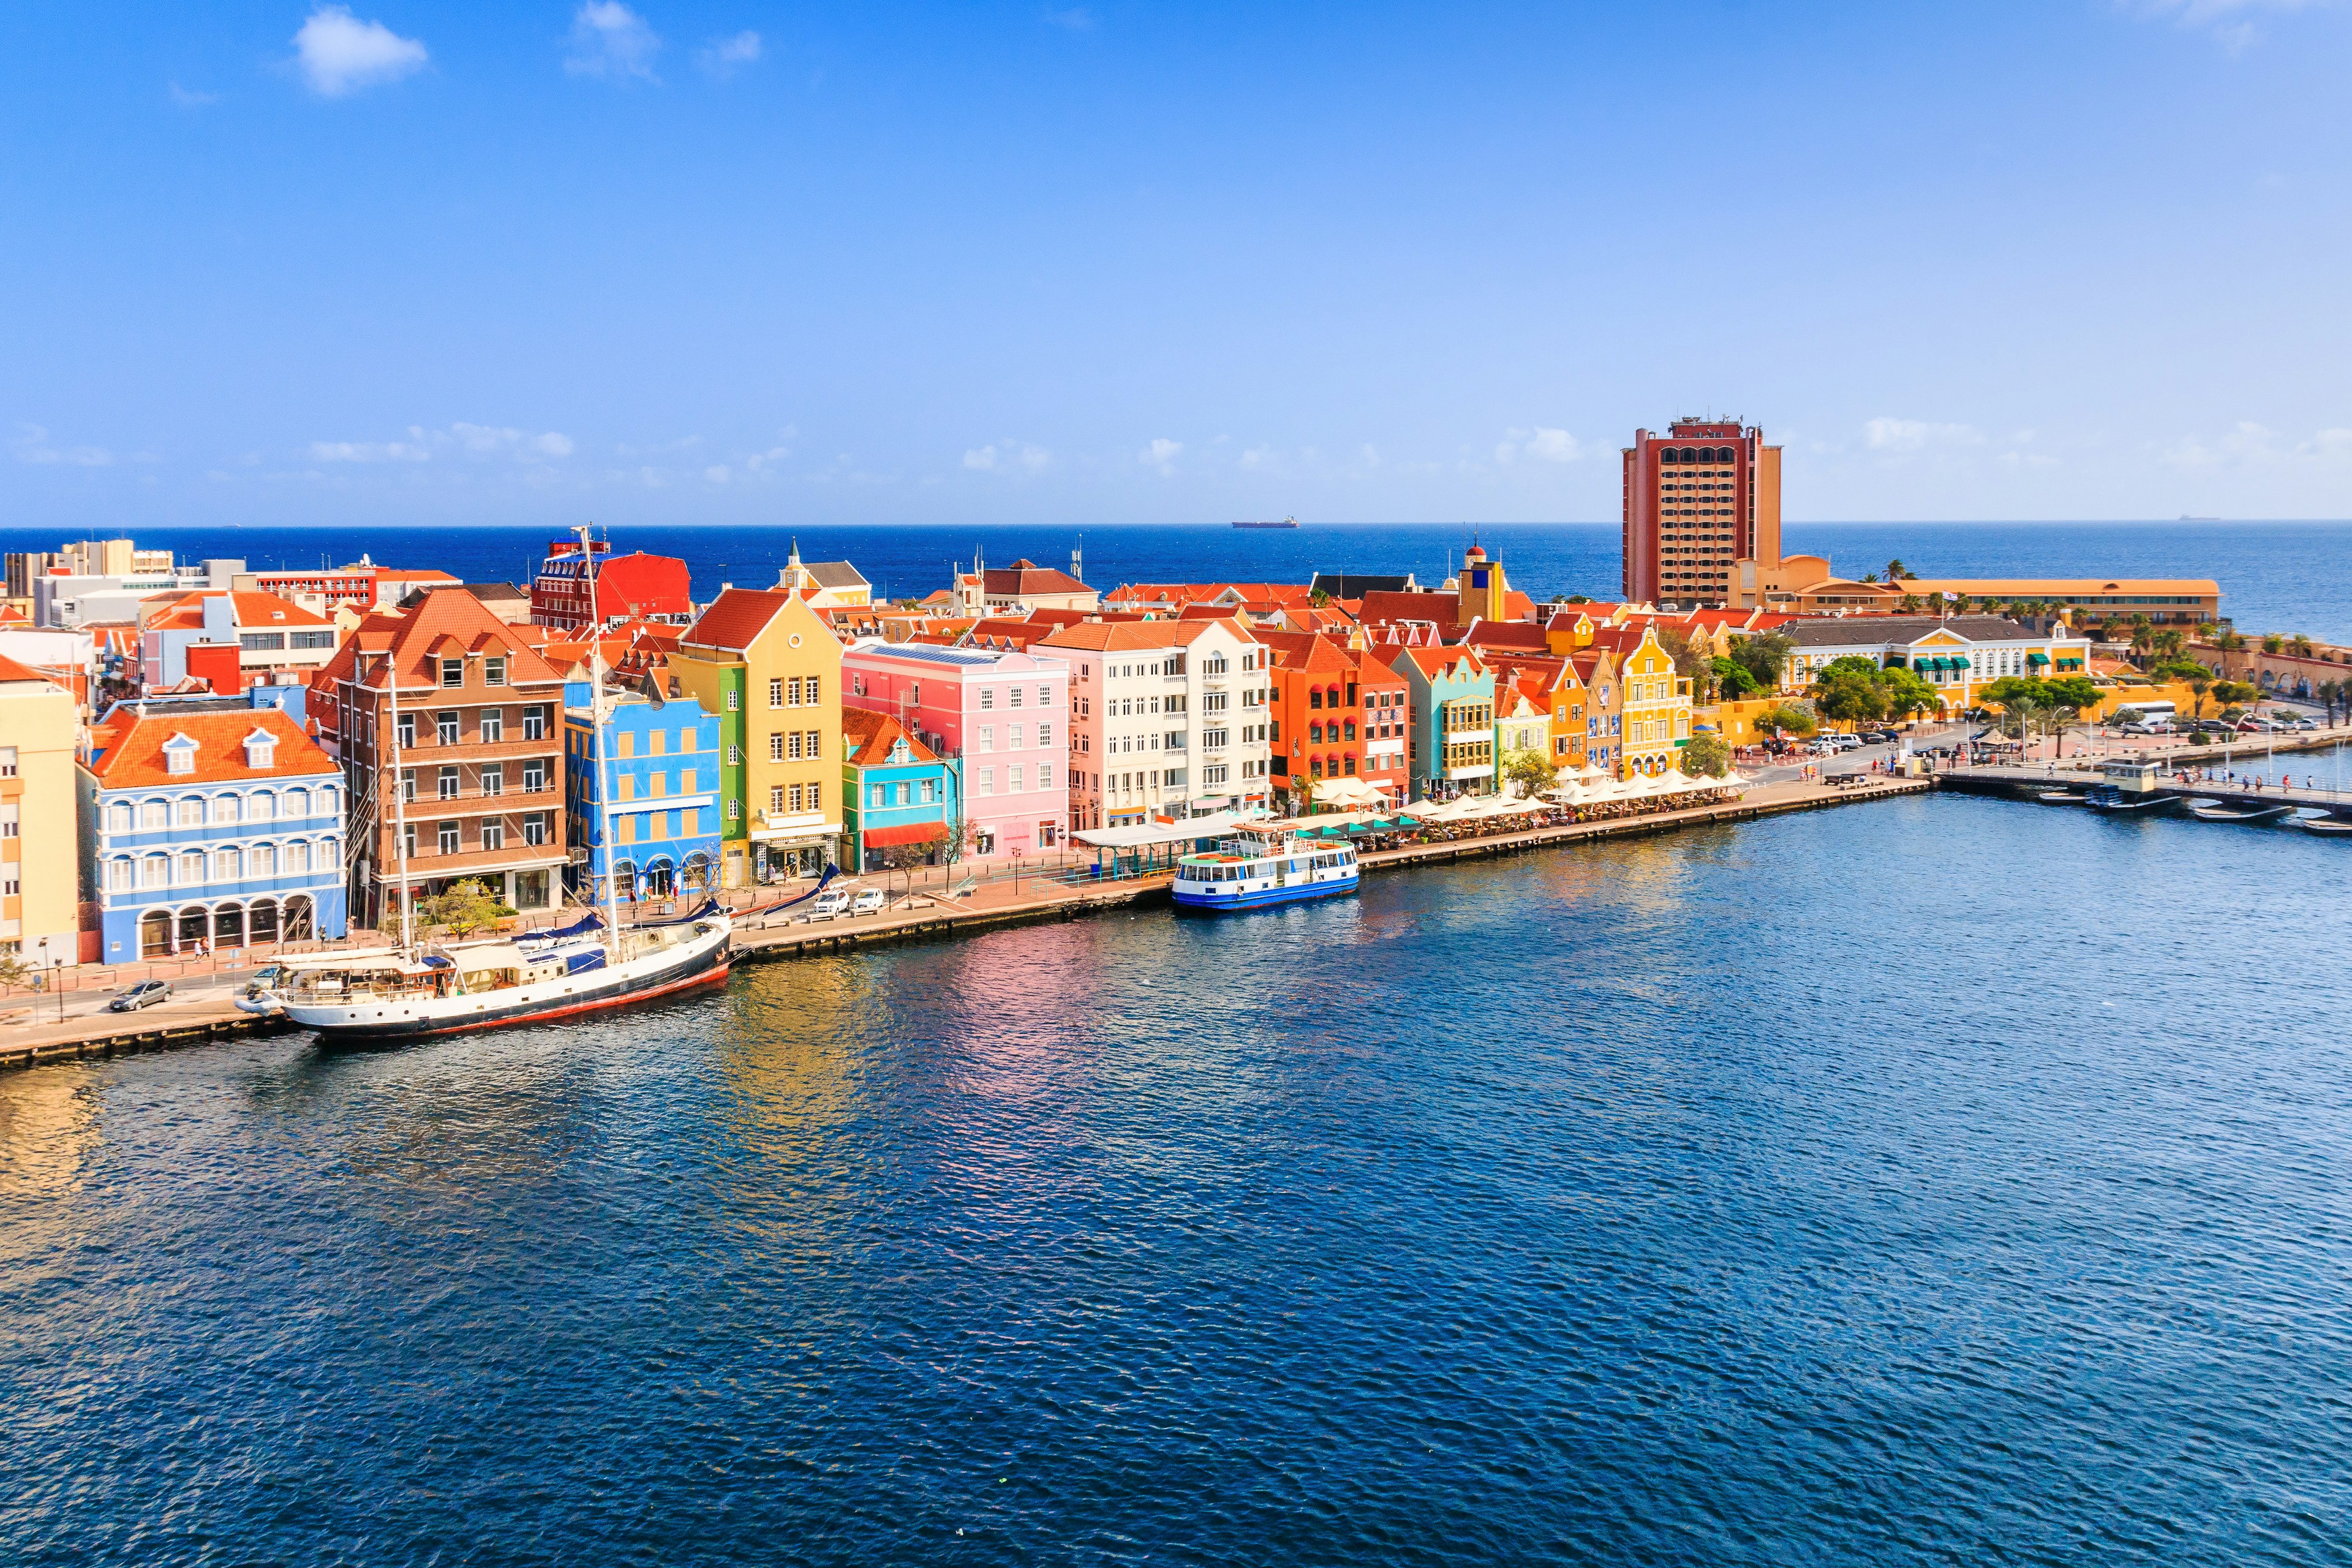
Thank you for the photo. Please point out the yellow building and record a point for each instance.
(1657, 706)
(40, 842)
(769, 667)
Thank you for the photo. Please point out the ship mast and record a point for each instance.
(596, 761)
(400, 806)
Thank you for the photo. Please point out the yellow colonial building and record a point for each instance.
(1657, 706)
(40, 840)
(1955, 655)
(769, 667)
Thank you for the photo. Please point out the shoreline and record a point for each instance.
(205, 1022)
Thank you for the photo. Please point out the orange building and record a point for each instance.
(1337, 713)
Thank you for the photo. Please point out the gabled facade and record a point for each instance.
(578, 592)
(1451, 741)
(465, 783)
(768, 667)
(1657, 707)
(1168, 719)
(215, 826)
(897, 792)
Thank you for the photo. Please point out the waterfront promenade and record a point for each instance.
(205, 1011)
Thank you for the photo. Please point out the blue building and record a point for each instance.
(661, 765)
(896, 790)
(210, 824)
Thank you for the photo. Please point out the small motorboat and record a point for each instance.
(2224, 811)
(2059, 797)
(2326, 827)
(259, 997)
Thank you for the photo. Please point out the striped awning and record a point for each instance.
(2037, 658)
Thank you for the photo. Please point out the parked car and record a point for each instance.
(146, 993)
(868, 902)
(1847, 743)
(1878, 737)
(2297, 722)
(2249, 725)
(832, 902)
(2153, 727)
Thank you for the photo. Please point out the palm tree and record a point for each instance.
(2143, 637)
(2274, 643)
(2329, 692)
(1896, 571)
(2300, 645)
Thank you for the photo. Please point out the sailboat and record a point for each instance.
(426, 988)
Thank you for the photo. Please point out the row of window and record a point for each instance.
(1013, 779)
(491, 781)
(906, 791)
(221, 810)
(1698, 454)
(276, 642)
(986, 734)
(201, 867)
(491, 728)
(795, 745)
(490, 833)
(794, 691)
(494, 670)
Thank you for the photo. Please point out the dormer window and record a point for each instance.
(179, 755)
(452, 672)
(260, 750)
(494, 670)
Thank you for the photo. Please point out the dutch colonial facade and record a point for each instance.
(475, 757)
(1001, 714)
(1451, 737)
(660, 766)
(768, 667)
(215, 826)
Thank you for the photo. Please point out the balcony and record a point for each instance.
(474, 803)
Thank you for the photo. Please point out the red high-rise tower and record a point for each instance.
(1701, 501)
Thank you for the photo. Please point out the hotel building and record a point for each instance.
(1698, 502)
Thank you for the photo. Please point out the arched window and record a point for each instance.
(1315, 765)
(262, 807)
(155, 934)
(327, 806)
(154, 814)
(120, 875)
(1666, 455)
(155, 871)
(228, 926)
(1351, 764)
(1315, 696)
(261, 861)
(1351, 728)
(191, 811)
(299, 923)
(298, 858)
(120, 816)
(261, 921)
(228, 808)
(298, 803)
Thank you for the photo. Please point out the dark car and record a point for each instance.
(1877, 737)
(146, 993)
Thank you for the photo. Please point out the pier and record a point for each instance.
(931, 917)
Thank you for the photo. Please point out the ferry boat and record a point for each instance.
(419, 989)
(1263, 865)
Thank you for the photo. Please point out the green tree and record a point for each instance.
(1532, 771)
(465, 908)
(1850, 698)
(14, 970)
(1910, 604)
(2300, 646)
(1795, 721)
(1764, 658)
(2274, 643)
(1896, 571)
(2234, 693)
(1692, 662)
(1852, 664)
(1708, 756)
(2200, 686)
(1733, 678)
(1907, 694)
(2075, 692)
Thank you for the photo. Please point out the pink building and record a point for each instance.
(1001, 717)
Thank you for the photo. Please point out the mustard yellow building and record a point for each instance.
(769, 668)
(41, 838)
(1658, 704)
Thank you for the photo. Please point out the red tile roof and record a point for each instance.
(871, 735)
(11, 670)
(447, 614)
(127, 751)
(736, 617)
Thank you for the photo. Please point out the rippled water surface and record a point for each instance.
(1938, 1180)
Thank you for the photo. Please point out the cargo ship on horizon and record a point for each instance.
(1285, 523)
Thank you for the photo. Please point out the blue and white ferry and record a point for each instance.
(1263, 865)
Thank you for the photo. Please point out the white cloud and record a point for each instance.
(1256, 457)
(2247, 445)
(611, 41)
(725, 56)
(336, 51)
(474, 440)
(1078, 19)
(32, 444)
(1161, 454)
(2233, 22)
(1885, 434)
(188, 99)
(1542, 443)
(717, 473)
(1019, 455)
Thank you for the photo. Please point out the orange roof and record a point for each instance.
(1442, 662)
(736, 617)
(449, 614)
(1113, 636)
(11, 670)
(871, 735)
(127, 751)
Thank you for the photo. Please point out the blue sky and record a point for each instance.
(737, 263)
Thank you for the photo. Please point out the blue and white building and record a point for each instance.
(211, 824)
(661, 765)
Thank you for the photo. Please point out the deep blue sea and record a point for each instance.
(1930, 1182)
(2287, 577)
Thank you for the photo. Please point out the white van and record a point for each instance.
(2154, 710)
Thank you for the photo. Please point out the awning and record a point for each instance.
(905, 833)
(2037, 658)
(1961, 662)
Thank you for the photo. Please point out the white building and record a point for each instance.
(1168, 719)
